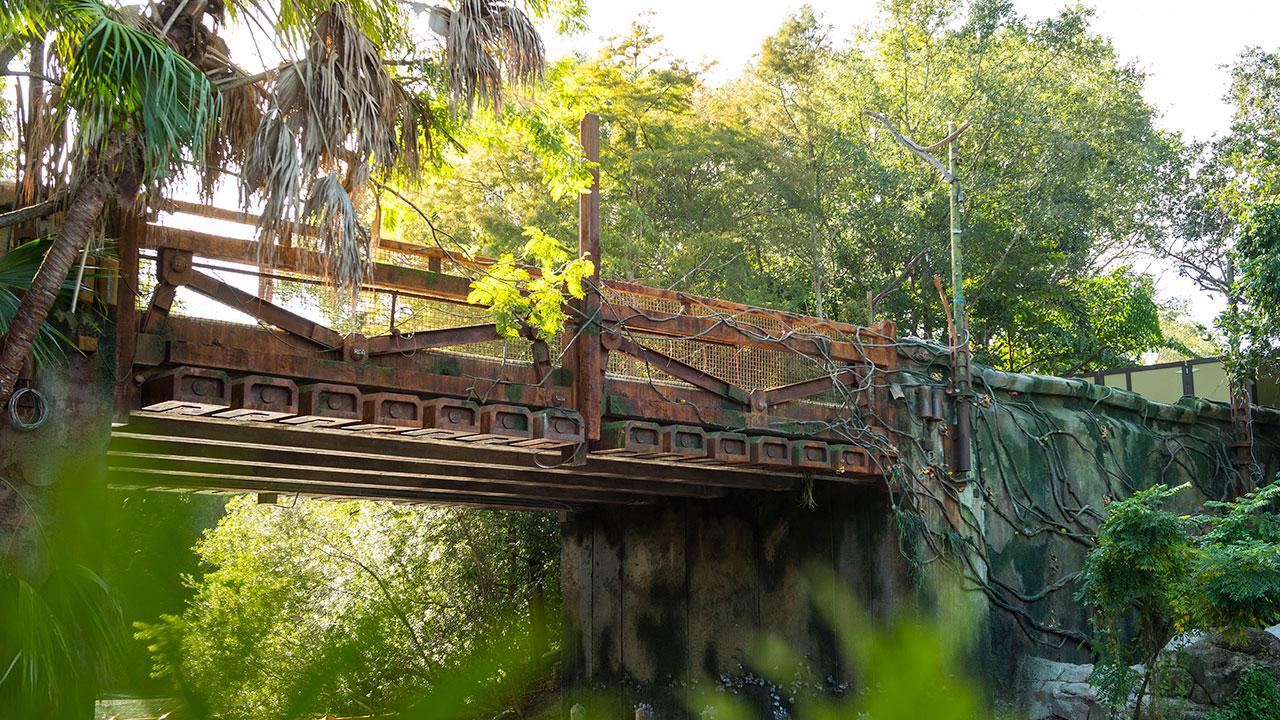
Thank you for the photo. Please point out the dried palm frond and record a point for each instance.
(336, 114)
(272, 170)
(483, 39)
(342, 237)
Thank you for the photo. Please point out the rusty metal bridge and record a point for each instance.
(411, 393)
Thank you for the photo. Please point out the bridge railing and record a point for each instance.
(208, 295)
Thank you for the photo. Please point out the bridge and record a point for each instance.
(240, 371)
(704, 455)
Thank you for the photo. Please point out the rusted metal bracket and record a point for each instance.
(428, 339)
(679, 370)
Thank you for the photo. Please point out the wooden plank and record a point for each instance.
(366, 468)
(306, 476)
(171, 480)
(336, 441)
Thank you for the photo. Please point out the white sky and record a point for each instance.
(1182, 45)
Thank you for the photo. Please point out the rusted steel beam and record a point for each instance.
(682, 371)
(446, 418)
(422, 283)
(158, 308)
(210, 344)
(503, 424)
(368, 375)
(389, 412)
(428, 339)
(269, 313)
(741, 332)
(328, 405)
(553, 428)
(768, 451)
(726, 448)
(133, 227)
(187, 391)
(258, 397)
(629, 437)
(589, 371)
(806, 388)
(810, 454)
(691, 406)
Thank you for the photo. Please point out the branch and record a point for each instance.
(31, 212)
(923, 152)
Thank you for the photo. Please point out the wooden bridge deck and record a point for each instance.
(410, 394)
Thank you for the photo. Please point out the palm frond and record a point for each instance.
(119, 76)
(337, 116)
(343, 238)
(483, 40)
(17, 267)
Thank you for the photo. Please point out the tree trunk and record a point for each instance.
(83, 210)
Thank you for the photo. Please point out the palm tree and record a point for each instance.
(146, 96)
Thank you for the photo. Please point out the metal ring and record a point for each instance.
(42, 409)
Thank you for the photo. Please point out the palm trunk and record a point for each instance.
(83, 210)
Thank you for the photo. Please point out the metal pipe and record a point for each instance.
(961, 351)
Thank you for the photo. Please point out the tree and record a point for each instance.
(777, 190)
(314, 136)
(1226, 213)
(1153, 574)
(368, 605)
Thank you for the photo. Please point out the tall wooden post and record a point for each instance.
(589, 378)
(131, 230)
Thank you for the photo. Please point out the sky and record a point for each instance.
(1183, 47)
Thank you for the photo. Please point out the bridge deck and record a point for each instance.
(410, 394)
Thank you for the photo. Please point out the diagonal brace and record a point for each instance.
(427, 339)
(683, 371)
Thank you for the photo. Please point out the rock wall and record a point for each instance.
(660, 598)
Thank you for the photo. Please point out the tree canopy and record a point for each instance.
(777, 189)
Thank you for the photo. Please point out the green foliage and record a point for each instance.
(368, 606)
(777, 190)
(118, 77)
(519, 299)
(912, 666)
(56, 639)
(17, 267)
(1256, 698)
(1153, 574)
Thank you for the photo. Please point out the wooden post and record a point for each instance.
(589, 377)
(132, 230)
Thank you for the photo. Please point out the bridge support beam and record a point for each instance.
(665, 597)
